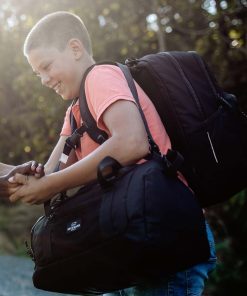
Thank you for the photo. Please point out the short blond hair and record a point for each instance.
(56, 29)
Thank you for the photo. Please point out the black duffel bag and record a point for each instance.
(137, 225)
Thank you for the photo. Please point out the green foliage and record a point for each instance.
(31, 116)
(230, 226)
(15, 222)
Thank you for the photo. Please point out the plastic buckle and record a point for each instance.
(130, 62)
(73, 140)
(153, 147)
(175, 159)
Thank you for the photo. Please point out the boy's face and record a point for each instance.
(59, 70)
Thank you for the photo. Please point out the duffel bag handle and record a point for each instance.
(108, 170)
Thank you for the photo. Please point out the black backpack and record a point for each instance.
(203, 122)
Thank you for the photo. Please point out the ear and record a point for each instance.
(76, 47)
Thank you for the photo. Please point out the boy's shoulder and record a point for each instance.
(104, 72)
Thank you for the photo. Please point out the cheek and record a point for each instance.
(67, 71)
(55, 73)
(70, 76)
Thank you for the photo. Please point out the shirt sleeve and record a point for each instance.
(66, 129)
(105, 85)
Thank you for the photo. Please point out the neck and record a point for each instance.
(87, 62)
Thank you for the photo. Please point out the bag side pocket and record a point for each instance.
(41, 241)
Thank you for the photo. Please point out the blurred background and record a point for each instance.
(31, 115)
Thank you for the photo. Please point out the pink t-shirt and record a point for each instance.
(106, 84)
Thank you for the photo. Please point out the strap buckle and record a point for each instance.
(173, 161)
(74, 140)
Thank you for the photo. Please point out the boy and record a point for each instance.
(58, 49)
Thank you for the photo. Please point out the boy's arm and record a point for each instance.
(52, 162)
(128, 144)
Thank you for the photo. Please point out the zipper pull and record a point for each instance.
(29, 251)
(212, 147)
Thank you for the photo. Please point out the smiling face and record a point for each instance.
(59, 70)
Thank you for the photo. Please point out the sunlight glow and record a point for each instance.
(152, 22)
(210, 6)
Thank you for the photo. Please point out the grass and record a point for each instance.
(15, 225)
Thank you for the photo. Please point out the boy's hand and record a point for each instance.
(31, 190)
(6, 187)
(28, 168)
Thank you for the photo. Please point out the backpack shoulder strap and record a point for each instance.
(127, 74)
(98, 135)
(94, 132)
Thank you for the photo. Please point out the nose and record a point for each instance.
(45, 79)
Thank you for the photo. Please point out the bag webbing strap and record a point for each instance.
(154, 147)
(98, 135)
(73, 141)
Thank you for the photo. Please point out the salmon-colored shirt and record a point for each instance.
(104, 85)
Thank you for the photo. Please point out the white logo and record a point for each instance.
(73, 226)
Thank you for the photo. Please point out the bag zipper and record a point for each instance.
(29, 250)
(40, 218)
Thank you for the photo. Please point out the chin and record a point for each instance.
(66, 98)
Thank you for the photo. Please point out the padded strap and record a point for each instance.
(154, 147)
(94, 132)
(73, 123)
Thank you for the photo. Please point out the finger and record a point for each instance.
(15, 196)
(5, 187)
(39, 171)
(33, 200)
(12, 189)
(38, 176)
(39, 168)
(28, 200)
(34, 166)
(11, 179)
(19, 178)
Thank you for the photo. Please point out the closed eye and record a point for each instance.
(36, 74)
(47, 66)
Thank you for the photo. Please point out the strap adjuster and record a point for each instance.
(74, 140)
(173, 161)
